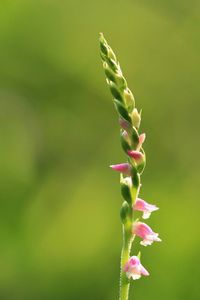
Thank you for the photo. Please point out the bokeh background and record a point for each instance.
(59, 216)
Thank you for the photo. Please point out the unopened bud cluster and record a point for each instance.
(132, 144)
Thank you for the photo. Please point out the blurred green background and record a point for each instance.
(59, 216)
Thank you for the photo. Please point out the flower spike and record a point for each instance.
(130, 173)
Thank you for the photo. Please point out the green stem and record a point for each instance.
(128, 239)
(126, 248)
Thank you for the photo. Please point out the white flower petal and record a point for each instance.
(146, 214)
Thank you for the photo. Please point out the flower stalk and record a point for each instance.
(130, 171)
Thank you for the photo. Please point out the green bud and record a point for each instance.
(103, 44)
(109, 73)
(126, 186)
(129, 99)
(112, 64)
(103, 48)
(125, 212)
(122, 111)
(136, 118)
(121, 81)
(115, 92)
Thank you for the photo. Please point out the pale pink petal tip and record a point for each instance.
(134, 269)
(145, 207)
(146, 233)
(142, 138)
(122, 168)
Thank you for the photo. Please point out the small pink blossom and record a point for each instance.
(122, 168)
(144, 206)
(136, 155)
(146, 233)
(134, 268)
(124, 124)
(142, 138)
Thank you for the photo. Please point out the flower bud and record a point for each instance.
(109, 73)
(137, 156)
(121, 81)
(129, 99)
(126, 186)
(125, 125)
(115, 92)
(136, 118)
(124, 168)
(122, 110)
(103, 44)
(125, 212)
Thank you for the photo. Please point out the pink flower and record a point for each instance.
(122, 168)
(136, 155)
(147, 208)
(146, 233)
(134, 268)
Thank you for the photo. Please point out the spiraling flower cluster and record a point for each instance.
(130, 171)
(133, 267)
